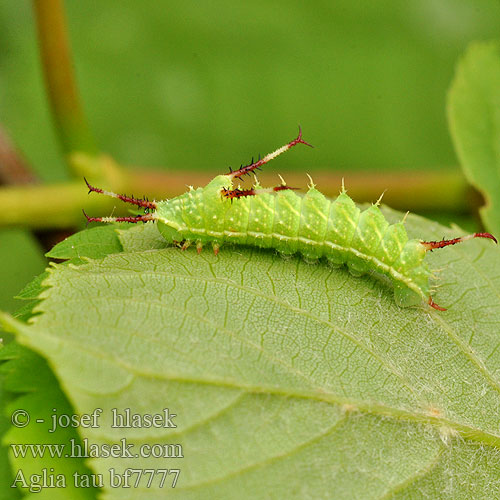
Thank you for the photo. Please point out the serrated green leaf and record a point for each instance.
(95, 242)
(474, 120)
(288, 380)
(33, 388)
(6, 478)
(33, 289)
(21, 260)
(141, 237)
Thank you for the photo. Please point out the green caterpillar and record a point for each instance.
(281, 219)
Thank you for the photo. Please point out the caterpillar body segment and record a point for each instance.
(309, 224)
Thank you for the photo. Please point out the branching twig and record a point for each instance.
(60, 205)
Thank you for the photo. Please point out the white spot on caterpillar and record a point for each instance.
(320, 213)
(291, 208)
(349, 219)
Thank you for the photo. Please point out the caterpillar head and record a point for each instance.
(192, 208)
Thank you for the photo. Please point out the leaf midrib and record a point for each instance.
(446, 327)
(388, 367)
(467, 431)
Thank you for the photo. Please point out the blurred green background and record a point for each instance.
(193, 85)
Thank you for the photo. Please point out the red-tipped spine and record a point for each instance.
(433, 245)
(435, 306)
(486, 235)
(237, 193)
(151, 205)
(255, 165)
(284, 188)
(241, 193)
(138, 218)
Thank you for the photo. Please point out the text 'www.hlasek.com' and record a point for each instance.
(122, 447)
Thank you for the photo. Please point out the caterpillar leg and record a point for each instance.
(133, 219)
(127, 199)
(185, 244)
(432, 245)
(236, 174)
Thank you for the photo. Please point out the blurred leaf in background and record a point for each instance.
(21, 259)
(474, 114)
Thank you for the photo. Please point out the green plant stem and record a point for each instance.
(60, 205)
(13, 168)
(57, 64)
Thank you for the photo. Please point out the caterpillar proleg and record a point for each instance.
(309, 224)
